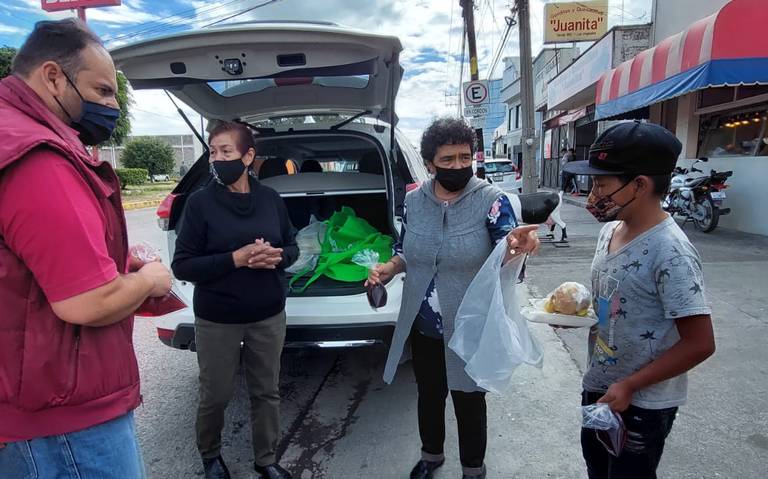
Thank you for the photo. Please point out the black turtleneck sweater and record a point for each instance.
(217, 222)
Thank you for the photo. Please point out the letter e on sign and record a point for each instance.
(476, 93)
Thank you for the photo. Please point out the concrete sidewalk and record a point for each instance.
(533, 430)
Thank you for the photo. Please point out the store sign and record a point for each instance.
(582, 73)
(575, 21)
(59, 5)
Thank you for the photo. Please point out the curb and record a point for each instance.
(576, 201)
(136, 205)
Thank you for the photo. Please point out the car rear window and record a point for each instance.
(233, 88)
(505, 167)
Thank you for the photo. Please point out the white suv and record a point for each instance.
(310, 91)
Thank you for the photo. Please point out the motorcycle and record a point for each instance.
(698, 196)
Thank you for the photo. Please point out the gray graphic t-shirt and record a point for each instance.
(638, 291)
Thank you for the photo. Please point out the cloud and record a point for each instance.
(430, 31)
(10, 29)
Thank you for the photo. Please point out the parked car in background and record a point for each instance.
(504, 174)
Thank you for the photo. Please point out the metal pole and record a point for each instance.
(81, 13)
(530, 178)
(469, 21)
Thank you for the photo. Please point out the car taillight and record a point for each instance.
(164, 212)
(166, 334)
(412, 186)
(518, 176)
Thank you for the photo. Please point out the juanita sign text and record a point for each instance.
(575, 21)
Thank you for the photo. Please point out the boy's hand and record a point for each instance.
(618, 397)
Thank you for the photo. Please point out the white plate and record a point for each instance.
(536, 314)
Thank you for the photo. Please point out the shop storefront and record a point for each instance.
(709, 85)
(571, 96)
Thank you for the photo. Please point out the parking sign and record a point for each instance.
(476, 93)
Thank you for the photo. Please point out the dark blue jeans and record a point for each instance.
(647, 430)
(105, 451)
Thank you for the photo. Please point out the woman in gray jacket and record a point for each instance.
(455, 222)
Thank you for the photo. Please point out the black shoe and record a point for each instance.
(215, 468)
(273, 471)
(477, 476)
(424, 469)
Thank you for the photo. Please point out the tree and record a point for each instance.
(6, 58)
(125, 100)
(152, 154)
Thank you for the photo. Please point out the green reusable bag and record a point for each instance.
(346, 235)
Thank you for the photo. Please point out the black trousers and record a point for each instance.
(647, 430)
(429, 368)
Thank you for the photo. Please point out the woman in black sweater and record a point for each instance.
(234, 243)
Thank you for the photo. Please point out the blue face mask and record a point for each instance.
(96, 122)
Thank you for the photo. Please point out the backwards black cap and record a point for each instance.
(631, 148)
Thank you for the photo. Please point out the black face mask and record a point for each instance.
(227, 172)
(453, 179)
(96, 122)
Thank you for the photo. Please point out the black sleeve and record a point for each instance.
(190, 263)
(288, 234)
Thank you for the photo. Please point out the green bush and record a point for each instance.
(132, 176)
(152, 154)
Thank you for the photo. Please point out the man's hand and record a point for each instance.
(523, 239)
(618, 397)
(160, 277)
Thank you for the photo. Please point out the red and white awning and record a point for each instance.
(729, 47)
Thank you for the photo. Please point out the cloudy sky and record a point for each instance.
(430, 31)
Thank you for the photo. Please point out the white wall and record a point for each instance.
(674, 16)
(747, 195)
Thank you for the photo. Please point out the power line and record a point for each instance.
(240, 13)
(169, 22)
(461, 63)
(510, 21)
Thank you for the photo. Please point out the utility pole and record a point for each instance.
(468, 7)
(530, 178)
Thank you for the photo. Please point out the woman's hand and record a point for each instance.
(257, 255)
(381, 273)
(265, 258)
(523, 240)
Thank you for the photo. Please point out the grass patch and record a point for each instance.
(148, 191)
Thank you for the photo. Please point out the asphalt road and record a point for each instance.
(339, 420)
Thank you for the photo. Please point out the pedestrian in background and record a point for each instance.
(567, 180)
(453, 223)
(69, 380)
(234, 243)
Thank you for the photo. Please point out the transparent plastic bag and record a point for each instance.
(570, 298)
(309, 240)
(151, 307)
(489, 334)
(377, 293)
(608, 426)
(145, 252)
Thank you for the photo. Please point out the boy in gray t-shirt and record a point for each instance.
(648, 292)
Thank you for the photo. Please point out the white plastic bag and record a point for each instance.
(309, 240)
(490, 335)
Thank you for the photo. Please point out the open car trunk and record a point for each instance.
(332, 171)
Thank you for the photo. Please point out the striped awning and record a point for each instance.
(729, 47)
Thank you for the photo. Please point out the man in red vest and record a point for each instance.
(69, 380)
